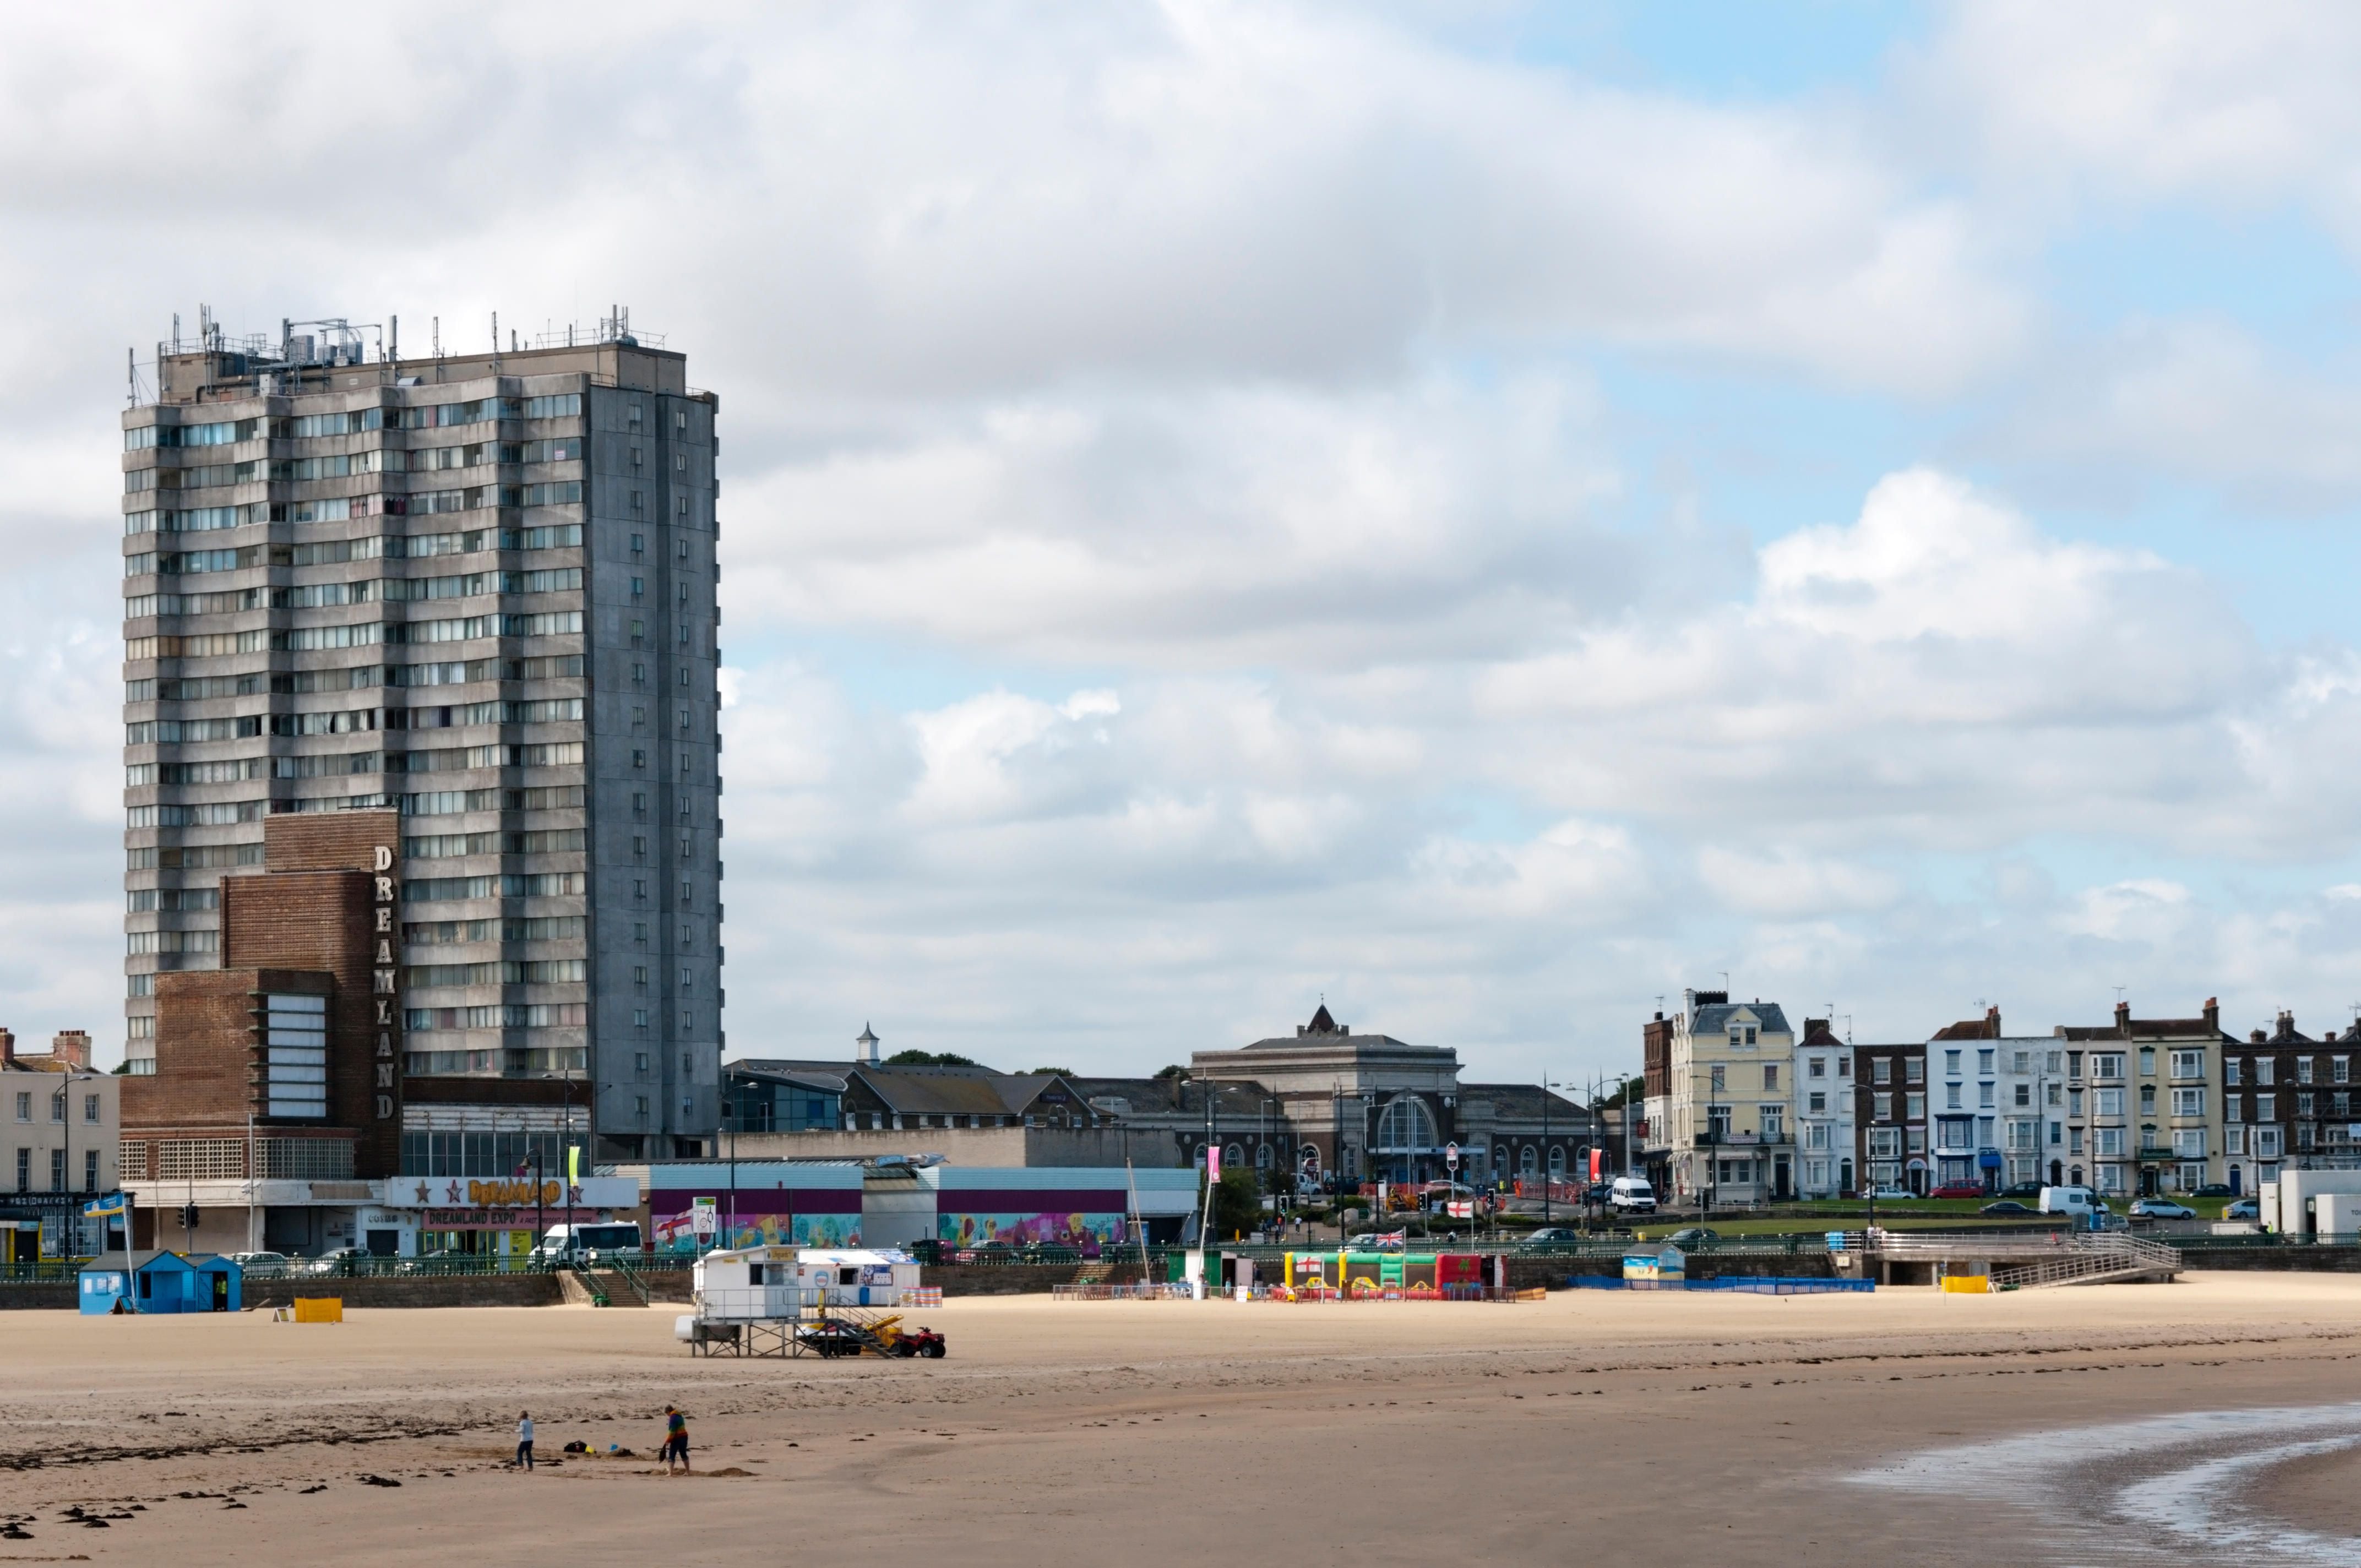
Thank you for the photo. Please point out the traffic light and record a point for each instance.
(188, 1217)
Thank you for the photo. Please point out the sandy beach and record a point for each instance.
(1846, 1429)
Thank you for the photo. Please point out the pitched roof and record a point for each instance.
(1984, 1028)
(1715, 1020)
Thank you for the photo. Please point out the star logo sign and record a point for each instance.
(452, 1193)
(425, 1194)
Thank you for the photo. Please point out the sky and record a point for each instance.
(1487, 515)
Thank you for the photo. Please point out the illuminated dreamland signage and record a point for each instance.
(386, 990)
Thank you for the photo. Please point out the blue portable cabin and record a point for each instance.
(150, 1281)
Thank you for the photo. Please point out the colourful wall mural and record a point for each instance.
(1088, 1232)
(675, 1233)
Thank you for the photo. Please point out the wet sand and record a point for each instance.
(1688, 1429)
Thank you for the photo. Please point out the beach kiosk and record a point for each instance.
(146, 1280)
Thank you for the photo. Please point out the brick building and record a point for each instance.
(277, 1094)
(2287, 1103)
(1890, 1116)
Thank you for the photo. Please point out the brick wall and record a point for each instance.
(329, 841)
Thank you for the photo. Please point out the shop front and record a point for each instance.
(491, 1217)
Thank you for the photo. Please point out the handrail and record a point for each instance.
(631, 1277)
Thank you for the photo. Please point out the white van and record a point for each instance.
(571, 1241)
(2079, 1202)
(1631, 1195)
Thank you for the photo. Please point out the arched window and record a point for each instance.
(1557, 1159)
(1528, 1161)
(1262, 1157)
(1233, 1158)
(1406, 1124)
(1500, 1156)
(1307, 1159)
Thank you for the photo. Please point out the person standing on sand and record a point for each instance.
(675, 1444)
(524, 1440)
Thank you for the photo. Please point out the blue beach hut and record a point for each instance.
(151, 1281)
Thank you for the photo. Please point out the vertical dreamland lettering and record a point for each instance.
(386, 987)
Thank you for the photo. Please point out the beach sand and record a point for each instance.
(1681, 1428)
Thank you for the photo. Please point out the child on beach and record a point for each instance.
(676, 1446)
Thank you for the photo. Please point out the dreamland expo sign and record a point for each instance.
(522, 1193)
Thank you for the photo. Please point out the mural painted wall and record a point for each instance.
(675, 1232)
(1088, 1232)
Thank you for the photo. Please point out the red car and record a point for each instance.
(1958, 1189)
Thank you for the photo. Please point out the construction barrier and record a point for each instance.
(1967, 1285)
(923, 1296)
(318, 1309)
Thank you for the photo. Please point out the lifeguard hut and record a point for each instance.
(152, 1281)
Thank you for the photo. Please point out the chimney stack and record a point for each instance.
(71, 1047)
(7, 1048)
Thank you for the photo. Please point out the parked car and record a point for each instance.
(1889, 1195)
(261, 1263)
(2244, 1209)
(2213, 1189)
(1554, 1233)
(338, 1261)
(2006, 1206)
(1689, 1237)
(2161, 1209)
(1958, 1189)
(2022, 1189)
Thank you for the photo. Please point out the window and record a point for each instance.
(1816, 1066)
(90, 1107)
(57, 1106)
(57, 1170)
(2148, 1062)
(24, 1170)
(2073, 1140)
(2230, 1066)
(1772, 1120)
(2189, 1064)
(2055, 1059)
(1884, 1142)
(2148, 1099)
(2106, 1065)
(1819, 1102)
(1984, 1061)
(1881, 1070)
(1984, 1095)
(1913, 1107)
(2110, 1142)
(1719, 1073)
(2057, 1133)
(1815, 1135)
(2188, 1102)
(2108, 1101)
(2235, 1140)
(2303, 1069)
(1951, 1097)
(2266, 1107)
(2024, 1094)
(1914, 1069)
(24, 1107)
(1951, 1064)
(2189, 1143)
(2023, 1062)
(1718, 1122)
(1844, 1067)
(2266, 1143)
(90, 1171)
(2073, 1102)
(2264, 1068)
(2303, 1105)
(2303, 1136)
(1915, 1139)
(2340, 1069)
(1770, 1069)
(1883, 1107)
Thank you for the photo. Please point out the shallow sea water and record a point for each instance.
(2179, 1487)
